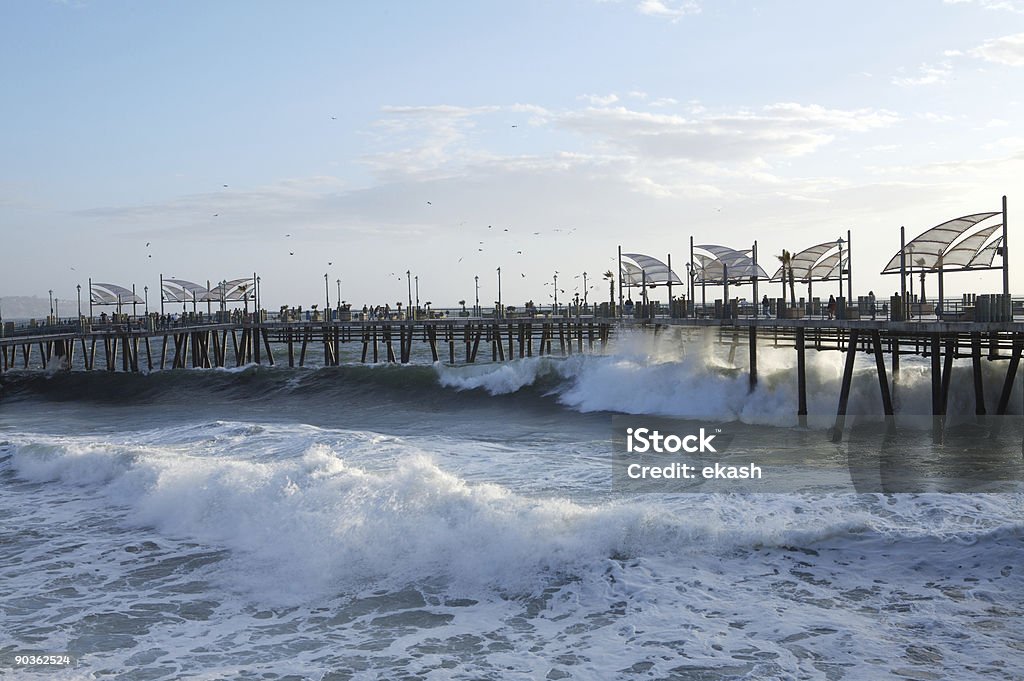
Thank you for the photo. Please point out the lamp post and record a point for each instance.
(476, 305)
(416, 311)
(79, 289)
(51, 305)
(145, 290)
(584, 289)
(555, 310)
(408, 281)
(56, 309)
(500, 308)
(327, 296)
(339, 294)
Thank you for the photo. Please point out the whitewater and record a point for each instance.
(436, 522)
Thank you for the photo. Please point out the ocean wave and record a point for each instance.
(321, 518)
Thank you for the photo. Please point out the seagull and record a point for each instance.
(519, 252)
(334, 118)
(460, 259)
(225, 185)
(329, 264)
(291, 252)
(150, 255)
(147, 244)
(429, 203)
(480, 249)
(523, 276)
(515, 126)
(216, 214)
(506, 229)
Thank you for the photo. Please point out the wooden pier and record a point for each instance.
(129, 348)
(116, 348)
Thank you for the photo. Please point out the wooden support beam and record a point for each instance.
(752, 343)
(476, 342)
(302, 350)
(979, 391)
(432, 339)
(947, 372)
(844, 391)
(936, 357)
(883, 383)
(801, 377)
(266, 345)
(1011, 375)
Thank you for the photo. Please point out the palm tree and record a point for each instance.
(611, 291)
(787, 269)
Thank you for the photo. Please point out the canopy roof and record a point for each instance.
(182, 290)
(112, 294)
(651, 270)
(817, 263)
(712, 270)
(949, 246)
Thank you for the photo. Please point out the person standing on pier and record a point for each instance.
(831, 307)
(871, 302)
(765, 305)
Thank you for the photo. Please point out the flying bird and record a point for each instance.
(225, 185)
(429, 203)
(291, 252)
(147, 244)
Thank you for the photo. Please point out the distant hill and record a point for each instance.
(27, 307)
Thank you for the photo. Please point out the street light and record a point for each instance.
(408, 281)
(339, 294)
(555, 311)
(417, 296)
(327, 296)
(51, 304)
(79, 289)
(476, 306)
(56, 307)
(145, 290)
(500, 308)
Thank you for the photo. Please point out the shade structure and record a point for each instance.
(952, 245)
(817, 263)
(112, 294)
(651, 270)
(725, 262)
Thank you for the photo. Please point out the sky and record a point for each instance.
(362, 140)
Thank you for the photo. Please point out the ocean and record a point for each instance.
(435, 522)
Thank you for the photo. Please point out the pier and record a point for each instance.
(138, 347)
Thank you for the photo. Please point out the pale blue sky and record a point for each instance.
(635, 122)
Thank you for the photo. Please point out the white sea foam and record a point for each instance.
(286, 549)
(697, 379)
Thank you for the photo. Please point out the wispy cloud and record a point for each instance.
(928, 74)
(1009, 5)
(600, 100)
(668, 9)
(1008, 50)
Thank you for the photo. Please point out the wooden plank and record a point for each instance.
(1011, 374)
(883, 383)
(844, 391)
(979, 392)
